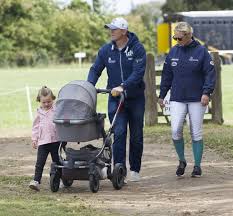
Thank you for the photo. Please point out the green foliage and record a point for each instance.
(148, 12)
(147, 15)
(35, 32)
(24, 34)
(78, 33)
(80, 6)
(96, 6)
(145, 33)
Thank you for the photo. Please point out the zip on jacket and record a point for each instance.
(122, 74)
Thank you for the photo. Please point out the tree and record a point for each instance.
(80, 5)
(96, 6)
(149, 13)
(38, 31)
(108, 8)
(25, 36)
(146, 36)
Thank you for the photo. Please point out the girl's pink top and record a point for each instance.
(43, 129)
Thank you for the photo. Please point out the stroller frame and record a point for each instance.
(99, 167)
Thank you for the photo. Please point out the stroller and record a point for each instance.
(76, 120)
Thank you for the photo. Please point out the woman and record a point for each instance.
(190, 75)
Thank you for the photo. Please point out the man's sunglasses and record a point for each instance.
(178, 38)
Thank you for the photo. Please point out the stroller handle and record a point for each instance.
(108, 91)
(103, 91)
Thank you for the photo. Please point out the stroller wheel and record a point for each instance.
(67, 183)
(118, 176)
(54, 182)
(94, 183)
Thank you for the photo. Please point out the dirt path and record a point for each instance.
(159, 193)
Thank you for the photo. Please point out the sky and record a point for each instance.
(122, 6)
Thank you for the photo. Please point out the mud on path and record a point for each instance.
(159, 192)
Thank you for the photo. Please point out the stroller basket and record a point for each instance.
(86, 153)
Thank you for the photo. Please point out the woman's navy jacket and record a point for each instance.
(188, 72)
(125, 67)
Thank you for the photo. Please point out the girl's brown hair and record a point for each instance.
(45, 91)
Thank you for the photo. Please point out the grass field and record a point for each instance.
(18, 200)
(14, 109)
(227, 93)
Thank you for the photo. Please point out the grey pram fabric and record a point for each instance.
(76, 101)
(75, 116)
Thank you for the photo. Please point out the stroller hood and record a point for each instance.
(76, 101)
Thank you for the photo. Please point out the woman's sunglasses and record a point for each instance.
(178, 38)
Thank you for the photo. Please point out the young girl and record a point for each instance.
(44, 135)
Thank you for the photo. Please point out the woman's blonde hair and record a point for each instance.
(183, 27)
(45, 91)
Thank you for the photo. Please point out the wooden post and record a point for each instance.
(151, 112)
(217, 114)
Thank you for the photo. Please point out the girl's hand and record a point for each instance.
(34, 144)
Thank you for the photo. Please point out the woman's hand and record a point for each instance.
(205, 100)
(160, 102)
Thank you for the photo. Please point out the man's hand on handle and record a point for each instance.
(117, 91)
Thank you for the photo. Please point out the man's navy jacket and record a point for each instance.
(125, 67)
(189, 72)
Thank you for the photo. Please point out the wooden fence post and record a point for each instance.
(216, 110)
(151, 112)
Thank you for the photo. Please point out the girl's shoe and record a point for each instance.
(34, 185)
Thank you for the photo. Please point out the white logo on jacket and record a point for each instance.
(174, 59)
(173, 64)
(129, 54)
(111, 61)
(193, 59)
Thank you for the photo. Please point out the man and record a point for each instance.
(125, 60)
(190, 75)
